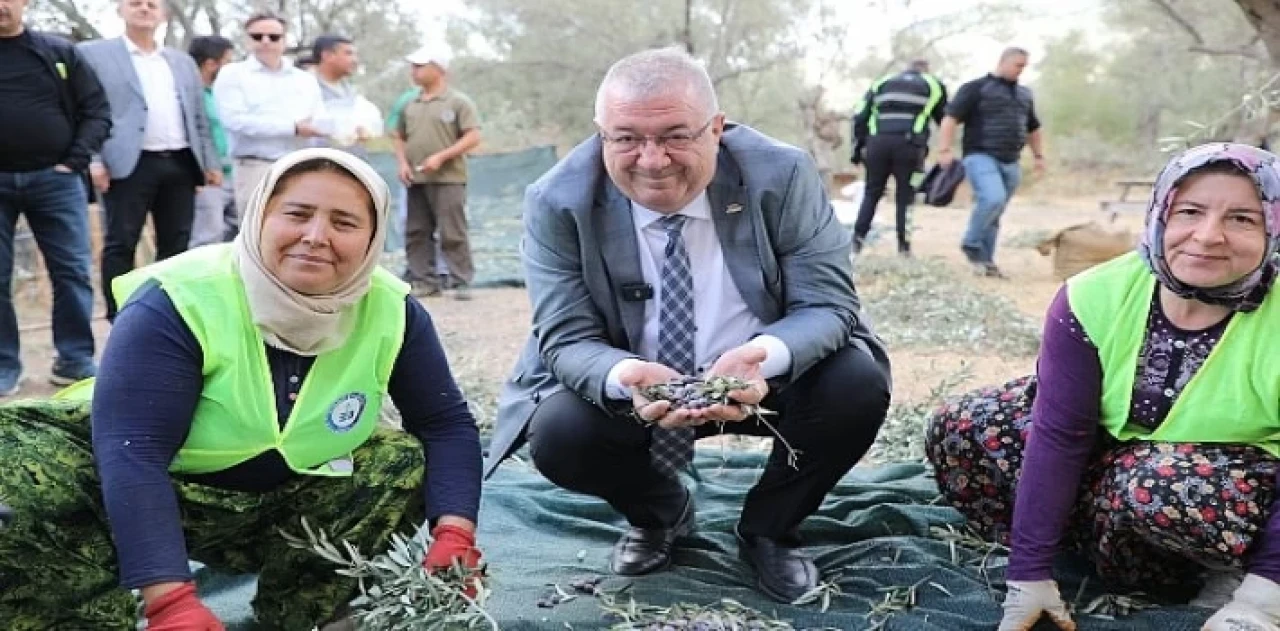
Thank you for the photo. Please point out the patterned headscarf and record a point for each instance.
(1247, 293)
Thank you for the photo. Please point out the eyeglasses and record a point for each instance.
(274, 37)
(673, 141)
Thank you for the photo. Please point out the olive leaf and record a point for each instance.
(396, 592)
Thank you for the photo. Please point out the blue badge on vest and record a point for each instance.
(345, 412)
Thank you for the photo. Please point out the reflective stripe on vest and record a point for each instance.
(235, 419)
(1234, 397)
(921, 118)
(935, 96)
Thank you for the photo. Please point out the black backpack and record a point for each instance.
(940, 184)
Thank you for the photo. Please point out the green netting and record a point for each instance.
(495, 190)
(872, 536)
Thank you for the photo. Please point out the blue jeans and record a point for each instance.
(993, 184)
(57, 209)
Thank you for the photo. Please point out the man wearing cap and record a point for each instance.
(268, 106)
(433, 134)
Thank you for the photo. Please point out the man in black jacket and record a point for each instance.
(999, 119)
(53, 117)
(891, 137)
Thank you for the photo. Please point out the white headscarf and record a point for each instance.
(289, 320)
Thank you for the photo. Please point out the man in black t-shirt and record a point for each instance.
(53, 117)
(999, 119)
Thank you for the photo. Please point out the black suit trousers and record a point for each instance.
(831, 414)
(163, 184)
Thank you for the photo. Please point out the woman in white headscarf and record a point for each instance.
(239, 392)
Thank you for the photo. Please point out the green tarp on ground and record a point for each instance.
(871, 534)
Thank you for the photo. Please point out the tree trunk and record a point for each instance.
(688, 26)
(1149, 124)
(1264, 15)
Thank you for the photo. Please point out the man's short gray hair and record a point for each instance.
(658, 72)
(1013, 51)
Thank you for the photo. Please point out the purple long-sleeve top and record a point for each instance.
(1066, 424)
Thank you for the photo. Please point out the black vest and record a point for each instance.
(897, 103)
(998, 125)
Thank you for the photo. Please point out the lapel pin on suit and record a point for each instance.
(733, 208)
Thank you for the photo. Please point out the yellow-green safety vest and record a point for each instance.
(236, 419)
(1234, 397)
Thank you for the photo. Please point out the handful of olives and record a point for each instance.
(691, 393)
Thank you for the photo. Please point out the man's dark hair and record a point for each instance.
(262, 17)
(327, 43)
(918, 65)
(206, 47)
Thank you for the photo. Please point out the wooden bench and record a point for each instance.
(1114, 206)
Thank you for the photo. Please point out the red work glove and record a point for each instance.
(181, 610)
(450, 543)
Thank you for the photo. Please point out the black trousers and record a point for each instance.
(163, 184)
(831, 414)
(889, 155)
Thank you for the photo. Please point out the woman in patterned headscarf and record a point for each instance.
(1156, 435)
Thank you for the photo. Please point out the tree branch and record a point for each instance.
(1177, 18)
(78, 21)
(215, 18)
(1248, 52)
(184, 15)
(559, 65)
(753, 68)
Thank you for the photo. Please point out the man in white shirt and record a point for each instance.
(160, 148)
(268, 107)
(336, 61)
(672, 244)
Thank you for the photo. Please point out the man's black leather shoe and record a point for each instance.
(646, 550)
(784, 573)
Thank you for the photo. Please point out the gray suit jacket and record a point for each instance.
(110, 60)
(786, 253)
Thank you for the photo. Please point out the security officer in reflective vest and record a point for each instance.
(891, 137)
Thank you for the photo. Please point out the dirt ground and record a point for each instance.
(483, 336)
(1030, 285)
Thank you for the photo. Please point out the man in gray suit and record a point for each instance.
(160, 147)
(669, 244)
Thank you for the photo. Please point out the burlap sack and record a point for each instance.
(1079, 247)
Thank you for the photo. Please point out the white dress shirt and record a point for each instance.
(722, 319)
(260, 107)
(165, 129)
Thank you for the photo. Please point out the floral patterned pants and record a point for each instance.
(1148, 514)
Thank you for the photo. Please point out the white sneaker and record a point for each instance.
(1218, 587)
(10, 385)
